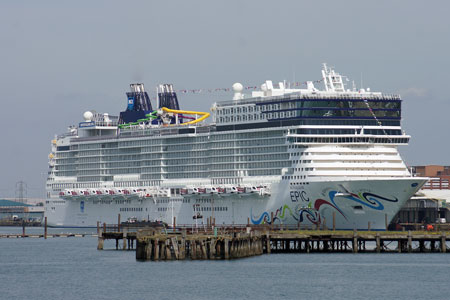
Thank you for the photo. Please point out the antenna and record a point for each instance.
(21, 191)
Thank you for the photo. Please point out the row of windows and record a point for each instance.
(229, 155)
(102, 201)
(294, 177)
(131, 209)
(122, 201)
(298, 183)
(349, 131)
(215, 208)
(198, 209)
(238, 110)
(339, 140)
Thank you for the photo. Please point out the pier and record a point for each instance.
(231, 242)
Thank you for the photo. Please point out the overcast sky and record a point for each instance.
(61, 58)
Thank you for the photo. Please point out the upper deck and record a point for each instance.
(274, 105)
(280, 103)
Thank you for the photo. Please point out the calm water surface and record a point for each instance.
(72, 268)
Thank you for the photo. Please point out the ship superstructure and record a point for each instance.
(281, 155)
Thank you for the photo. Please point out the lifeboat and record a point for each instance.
(135, 191)
(255, 189)
(240, 190)
(231, 190)
(147, 193)
(118, 191)
(211, 190)
(200, 190)
(163, 192)
(183, 191)
(105, 191)
(220, 190)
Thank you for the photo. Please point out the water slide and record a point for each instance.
(154, 115)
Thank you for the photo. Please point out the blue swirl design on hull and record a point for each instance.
(367, 199)
(313, 215)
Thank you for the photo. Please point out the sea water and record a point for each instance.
(72, 268)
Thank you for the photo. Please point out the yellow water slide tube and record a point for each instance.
(203, 114)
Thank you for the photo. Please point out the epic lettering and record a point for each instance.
(296, 195)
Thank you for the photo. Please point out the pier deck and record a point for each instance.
(232, 242)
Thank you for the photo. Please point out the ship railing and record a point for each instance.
(60, 136)
(209, 228)
(437, 184)
(106, 124)
(320, 96)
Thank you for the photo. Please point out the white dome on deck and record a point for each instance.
(88, 116)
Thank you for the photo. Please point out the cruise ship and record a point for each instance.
(279, 155)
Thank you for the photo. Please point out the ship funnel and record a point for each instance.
(167, 97)
(138, 98)
(138, 104)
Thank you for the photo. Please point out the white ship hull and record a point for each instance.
(281, 156)
(354, 204)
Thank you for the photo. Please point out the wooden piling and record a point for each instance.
(174, 243)
(226, 248)
(268, 250)
(203, 247)
(124, 239)
(162, 250)
(443, 244)
(183, 247)
(45, 228)
(212, 249)
(378, 242)
(149, 248)
(167, 247)
(141, 253)
(100, 243)
(100, 240)
(156, 249)
(409, 242)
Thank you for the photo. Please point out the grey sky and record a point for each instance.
(61, 58)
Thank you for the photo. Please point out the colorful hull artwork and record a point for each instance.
(311, 212)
